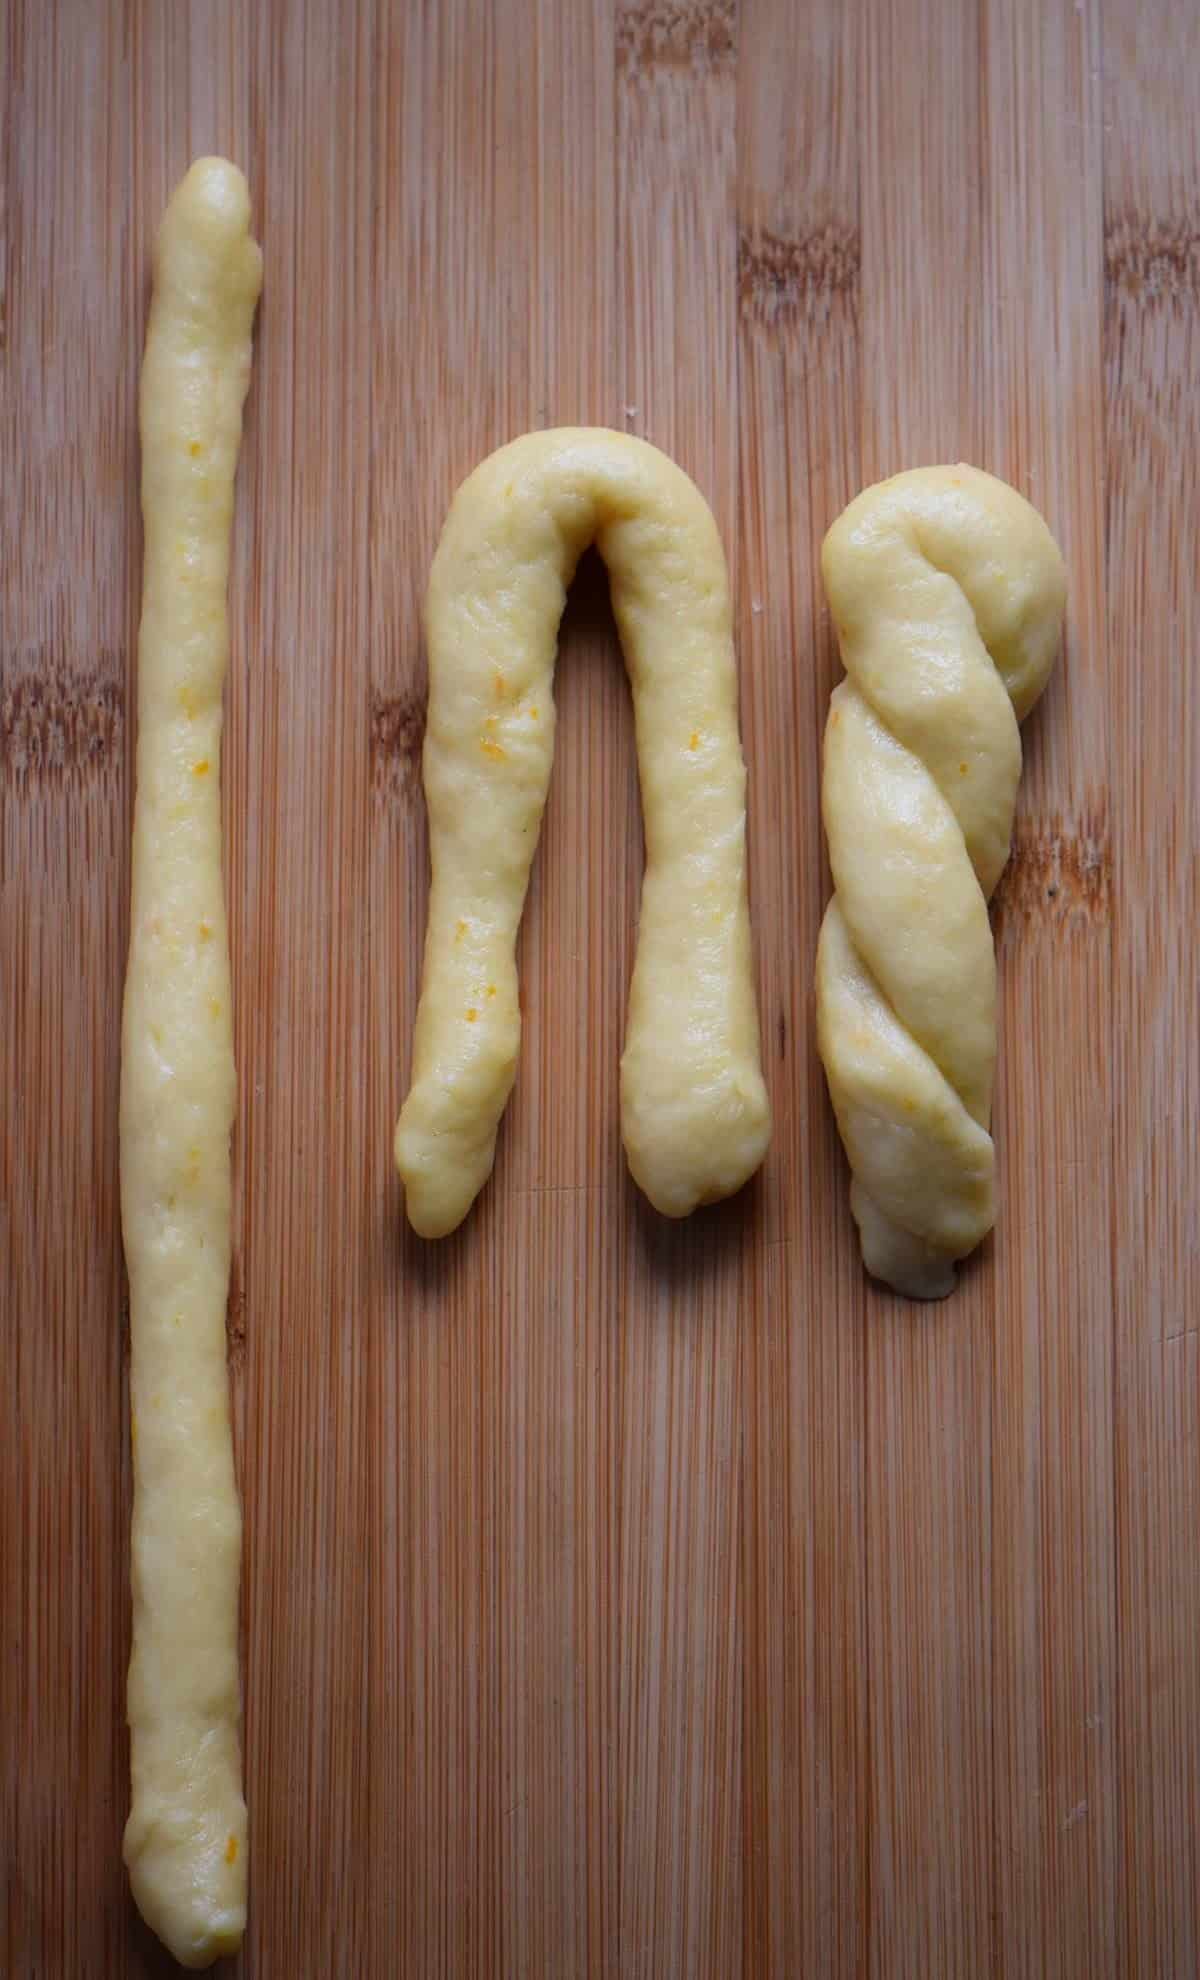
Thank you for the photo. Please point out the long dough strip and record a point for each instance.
(694, 1107)
(947, 591)
(185, 1842)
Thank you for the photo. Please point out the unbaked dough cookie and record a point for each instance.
(185, 1841)
(695, 1115)
(947, 591)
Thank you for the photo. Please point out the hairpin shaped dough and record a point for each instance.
(185, 1841)
(947, 591)
(695, 1115)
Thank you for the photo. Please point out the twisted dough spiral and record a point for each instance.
(947, 591)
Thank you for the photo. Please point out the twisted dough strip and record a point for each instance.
(947, 591)
(694, 1108)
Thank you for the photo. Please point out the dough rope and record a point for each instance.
(947, 592)
(695, 1115)
(185, 1841)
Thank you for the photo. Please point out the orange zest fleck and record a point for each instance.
(231, 1850)
(962, 769)
(200, 769)
(460, 931)
(695, 742)
(205, 931)
(492, 749)
(491, 989)
(195, 450)
(501, 685)
(472, 1014)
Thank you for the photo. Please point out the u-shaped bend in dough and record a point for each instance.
(695, 1114)
(947, 591)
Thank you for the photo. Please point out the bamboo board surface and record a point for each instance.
(619, 1598)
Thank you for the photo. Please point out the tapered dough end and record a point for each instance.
(193, 1900)
(434, 1205)
(906, 1263)
(204, 249)
(445, 1140)
(699, 1147)
(442, 1171)
(213, 194)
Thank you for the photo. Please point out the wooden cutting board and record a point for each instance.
(619, 1598)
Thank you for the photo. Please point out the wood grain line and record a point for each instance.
(675, 34)
(1152, 354)
(1056, 1889)
(60, 720)
(67, 615)
(928, 1434)
(453, 268)
(805, 1692)
(680, 1648)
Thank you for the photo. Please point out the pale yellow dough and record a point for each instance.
(695, 1115)
(947, 592)
(185, 1841)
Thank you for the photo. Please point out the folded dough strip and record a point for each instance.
(694, 1107)
(185, 1841)
(947, 592)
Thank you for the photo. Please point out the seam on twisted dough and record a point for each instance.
(901, 868)
(906, 963)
